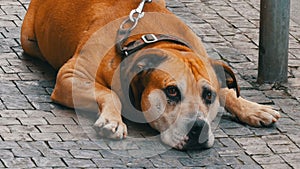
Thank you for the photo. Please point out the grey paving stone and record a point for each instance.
(231, 55)
(32, 76)
(232, 160)
(295, 164)
(268, 159)
(284, 148)
(138, 163)
(8, 121)
(142, 153)
(254, 166)
(229, 151)
(173, 154)
(74, 128)
(18, 105)
(291, 157)
(38, 113)
(238, 132)
(245, 159)
(8, 87)
(39, 98)
(276, 166)
(115, 154)
(228, 142)
(9, 76)
(8, 145)
(5, 154)
(85, 154)
(48, 162)
(30, 87)
(276, 139)
(33, 121)
(1, 165)
(60, 120)
(256, 96)
(23, 129)
(116, 163)
(12, 113)
(258, 150)
(219, 133)
(203, 153)
(63, 112)
(73, 136)
(43, 106)
(52, 129)
(18, 163)
(124, 145)
(166, 163)
(201, 162)
(289, 106)
(15, 69)
(56, 153)
(4, 129)
(276, 94)
(92, 145)
(67, 145)
(40, 145)
(80, 163)
(45, 137)
(271, 130)
(15, 137)
(295, 138)
(26, 152)
(246, 141)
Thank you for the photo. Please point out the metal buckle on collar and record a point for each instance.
(149, 38)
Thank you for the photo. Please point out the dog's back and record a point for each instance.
(55, 29)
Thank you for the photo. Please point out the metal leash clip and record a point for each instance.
(128, 25)
(138, 11)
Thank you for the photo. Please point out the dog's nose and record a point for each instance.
(199, 131)
(198, 135)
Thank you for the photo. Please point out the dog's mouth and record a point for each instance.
(199, 137)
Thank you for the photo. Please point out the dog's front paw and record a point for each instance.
(111, 128)
(259, 115)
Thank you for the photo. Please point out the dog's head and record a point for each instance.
(177, 91)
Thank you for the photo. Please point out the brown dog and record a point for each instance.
(174, 84)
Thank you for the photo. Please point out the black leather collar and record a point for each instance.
(146, 40)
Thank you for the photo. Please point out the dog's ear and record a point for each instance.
(145, 60)
(225, 76)
(135, 70)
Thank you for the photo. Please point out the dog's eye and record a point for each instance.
(208, 96)
(173, 93)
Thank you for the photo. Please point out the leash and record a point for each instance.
(129, 24)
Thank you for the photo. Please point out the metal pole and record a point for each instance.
(273, 41)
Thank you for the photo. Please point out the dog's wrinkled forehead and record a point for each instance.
(171, 61)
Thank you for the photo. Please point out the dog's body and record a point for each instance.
(184, 86)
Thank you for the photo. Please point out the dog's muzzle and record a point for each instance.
(199, 135)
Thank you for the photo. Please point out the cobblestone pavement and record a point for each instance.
(36, 133)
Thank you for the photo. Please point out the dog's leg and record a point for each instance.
(74, 89)
(28, 39)
(246, 111)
